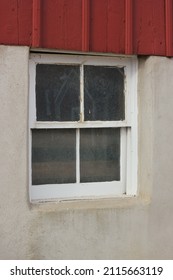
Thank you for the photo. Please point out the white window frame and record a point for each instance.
(127, 186)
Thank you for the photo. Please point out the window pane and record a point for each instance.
(57, 92)
(53, 156)
(99, 154)
(104, 93)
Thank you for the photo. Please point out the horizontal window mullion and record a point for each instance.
(49, 125)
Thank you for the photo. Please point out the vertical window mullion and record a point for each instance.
(77, 155)
(81, 93)
(81, 120)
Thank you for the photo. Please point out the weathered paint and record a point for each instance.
(114, 26)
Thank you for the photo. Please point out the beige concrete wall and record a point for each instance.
(134, 228)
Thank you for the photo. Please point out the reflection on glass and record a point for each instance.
(53, 156)
(100, 154)
(103, 93)
(57, 92)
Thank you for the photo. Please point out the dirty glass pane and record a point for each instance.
(104, 93)
(99, 154)
(57, 92)
(53, 156)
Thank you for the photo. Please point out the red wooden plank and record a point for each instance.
(85, 24)
(169, 27)
(24, 21)
(149, 27)
(15, 22)
(98, 26)
(36, 23)
(9, 22)
(51, 24)
(116, 26)
(107, 26)
(104, 26)
(62, 24)
(129, 27)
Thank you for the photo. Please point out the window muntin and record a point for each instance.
(98, 158)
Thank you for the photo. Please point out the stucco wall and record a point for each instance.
(134, 228)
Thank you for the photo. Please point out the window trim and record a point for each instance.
(128, 128)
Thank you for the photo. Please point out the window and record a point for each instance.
(83, 128)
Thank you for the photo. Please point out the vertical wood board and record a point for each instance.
(149, 27)
(143, 27)
(15, 22)
(61, 24)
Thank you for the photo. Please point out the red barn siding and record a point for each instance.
(149, 27)
(114, 26)
(61, 24)
(15, 22)
(107, 28)
(169, 27)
